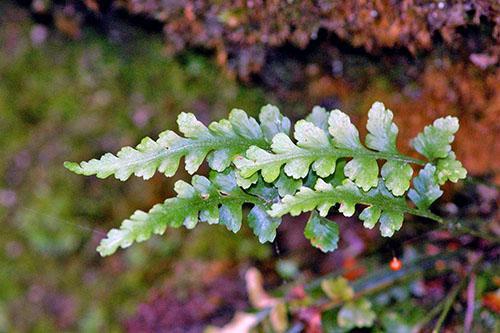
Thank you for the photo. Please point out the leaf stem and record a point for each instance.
(337, 153)
(241, 197)
(458, 226)
(426, 214)
(380, 155)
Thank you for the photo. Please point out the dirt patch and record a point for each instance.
(197, 295)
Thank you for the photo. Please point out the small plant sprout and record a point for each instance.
(265, 166)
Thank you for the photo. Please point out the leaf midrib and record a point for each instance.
(338, 195)
(163, 152)
(315, 154)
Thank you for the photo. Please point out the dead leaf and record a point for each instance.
(242, 323)
(278, 315)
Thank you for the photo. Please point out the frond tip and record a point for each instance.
(219, 143)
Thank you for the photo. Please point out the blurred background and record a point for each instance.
(80, 78)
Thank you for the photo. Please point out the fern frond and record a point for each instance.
(324, 164)
(221, 141)
(215, 201)
(382, 205)
(317, 149)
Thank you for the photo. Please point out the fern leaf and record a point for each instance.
(263, 225)
(222, 141)
(319, 147)
(390, 219)
(449, 168)
(425, 188)
(287, 185)
(143, 161)
(215, 201)
(382, 205)
(273, 122)
(322, 233)
(312, 143)
(434, 142)
(319, 117)
(356, 314)
(382, 133)
(323, 165)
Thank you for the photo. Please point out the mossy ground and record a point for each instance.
(64, 99)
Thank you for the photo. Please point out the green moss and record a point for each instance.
(73, 99)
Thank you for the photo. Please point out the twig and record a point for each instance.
(471, 295)
(381, 279)
(296, 328)
(431, 314)
(458, 227)
(452, 296)
(447, 305)
(384, 276)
